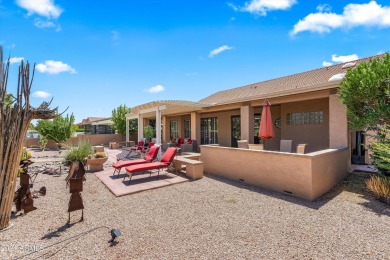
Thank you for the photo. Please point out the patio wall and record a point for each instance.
(307, 176)
(92, 139)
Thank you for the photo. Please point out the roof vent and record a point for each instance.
(336, 77)
(348, 65)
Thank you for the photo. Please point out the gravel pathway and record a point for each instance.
(212, 218)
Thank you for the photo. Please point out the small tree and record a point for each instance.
(149, 132)
(365, 91)
(119, 119)
(59, 129)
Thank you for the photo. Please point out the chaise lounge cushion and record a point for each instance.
(146, 166)
(152, 154)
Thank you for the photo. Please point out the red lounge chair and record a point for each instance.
(146, 150)
(152, 154)
(165, 161)
(138, 147)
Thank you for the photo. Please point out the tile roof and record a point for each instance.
(296, 83)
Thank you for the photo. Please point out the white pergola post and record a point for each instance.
(127, 130)
(140, 127)
(158, 126)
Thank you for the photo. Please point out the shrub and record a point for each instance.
(79, 153)
(149, 132)
(100, 155)
(380, 186)
(42, 142)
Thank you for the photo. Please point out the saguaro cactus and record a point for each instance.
(16, 114)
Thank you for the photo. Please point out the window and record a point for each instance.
(256, 128)
(174, 129)
(187, 129)
(305, 118)
(209, 130)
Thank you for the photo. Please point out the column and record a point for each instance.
(195, 130)
(338, 123)
(140, 127)
(158, 126)
(247, 123)
(127, 130)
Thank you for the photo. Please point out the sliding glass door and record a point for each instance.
(209, 130)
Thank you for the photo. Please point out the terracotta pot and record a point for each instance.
(96, 164)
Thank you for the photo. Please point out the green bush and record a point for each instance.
(42, 142)
(381, 156)
(149, 132)
(79, 153)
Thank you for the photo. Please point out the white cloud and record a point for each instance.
(346, 58)
(261, 7)
(219, 50)
(233, 6)
(43, 24)
(324, 8)
(45, 8)
(155, 89)
(54, 67)
(354, 15)
(41, 94)
(327, 63)
(16, 60)
(11, 46)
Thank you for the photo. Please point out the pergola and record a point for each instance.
(160, 109)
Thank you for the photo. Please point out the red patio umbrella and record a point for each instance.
(266, 124)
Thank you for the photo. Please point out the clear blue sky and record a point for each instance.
(95, 55)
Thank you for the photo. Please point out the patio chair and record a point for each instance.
(242, 144)
(301, 148)
(286, 146)
(165, 162)
(138, 148)
(150, 157)
(146, 149)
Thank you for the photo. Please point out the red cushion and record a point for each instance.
(146, 167)
(119, 165)
(189, 141)
(181, 140)
(152, 154)
(169, 155)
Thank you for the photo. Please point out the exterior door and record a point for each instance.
(236, 130)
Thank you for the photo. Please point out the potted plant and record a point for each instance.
(96, 161)
(78, 153)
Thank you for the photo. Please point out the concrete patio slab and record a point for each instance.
(138, 183)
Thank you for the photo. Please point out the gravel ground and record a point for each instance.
(211, 218)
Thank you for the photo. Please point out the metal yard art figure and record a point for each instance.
(24, 195)
(74, 180)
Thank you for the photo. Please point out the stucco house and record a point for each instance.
(305, 108)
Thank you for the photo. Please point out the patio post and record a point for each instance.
(247, 123)
(127, 130)
(140, 127)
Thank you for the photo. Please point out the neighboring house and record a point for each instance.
(97, 125)
(305, 108)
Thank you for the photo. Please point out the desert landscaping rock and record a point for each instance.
(211, 218)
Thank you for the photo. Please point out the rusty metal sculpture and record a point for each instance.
(23, 197)
(74, 180)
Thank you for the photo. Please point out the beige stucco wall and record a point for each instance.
(92, 139)
(306, 176)
(316, 136)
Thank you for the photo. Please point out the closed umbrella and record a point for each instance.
(266, 124)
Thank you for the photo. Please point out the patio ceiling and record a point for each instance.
(167, 107)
